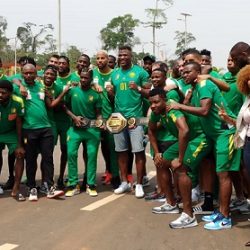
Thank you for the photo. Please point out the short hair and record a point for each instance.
(162, 65)
(26, 59)
(87, 70)
(103, 51)
(65, 58)
(55, 56)
(127, 47)
(240, 53)
(242, 79)
(113, 57)
(86, 56)
(190, 51)
(157, 91)
(240, 47)
(161, 70)
(195, 65)
(52, 67)
(6, 84)
(205, 52)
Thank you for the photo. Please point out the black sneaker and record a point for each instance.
(202, 210)
(115, 181)
(9, 184)
(44, 189)
(60, 184)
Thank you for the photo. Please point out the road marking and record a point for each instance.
(8, 246)
(102, 202)
(110, 198)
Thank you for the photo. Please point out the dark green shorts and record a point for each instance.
(227, 157)
(196, 150)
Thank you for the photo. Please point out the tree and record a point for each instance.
(180, 38)
(73, 53)
(157, 18)
(120, 31)
(32, 39)
(138, 57)
(3, 38)
(51, 44)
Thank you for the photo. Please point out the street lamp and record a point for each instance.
(185, 20)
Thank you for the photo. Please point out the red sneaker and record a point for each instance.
(107, 179)
(130, 179)
(104, 176)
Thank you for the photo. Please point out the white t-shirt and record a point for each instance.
(246, 120)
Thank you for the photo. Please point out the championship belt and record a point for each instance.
(116, 122)
(88, 123)
(132, 121)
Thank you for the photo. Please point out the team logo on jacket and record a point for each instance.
(132, 74)
(13, 110)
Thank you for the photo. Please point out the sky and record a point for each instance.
(216, 24)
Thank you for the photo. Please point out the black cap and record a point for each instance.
(149, 57)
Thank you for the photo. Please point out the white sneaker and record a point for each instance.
(139, 193)
(196, 194)
(33, 195)
(145, 181)
(53, 192)
(166, 209)
(1, 190)
(124, 187)
(184, 221)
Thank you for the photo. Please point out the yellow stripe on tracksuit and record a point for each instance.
(199, 149)
(231, 146)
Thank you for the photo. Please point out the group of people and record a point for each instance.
(197, 124)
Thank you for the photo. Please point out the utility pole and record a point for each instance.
(154, 27)
(59, 27)
(15, 52)
(185, 21)
(156, 14)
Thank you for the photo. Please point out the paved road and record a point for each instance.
(124, 222)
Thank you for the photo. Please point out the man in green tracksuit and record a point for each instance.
(85, 103)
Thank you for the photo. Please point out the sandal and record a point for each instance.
(247, 244)
(20, 197)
